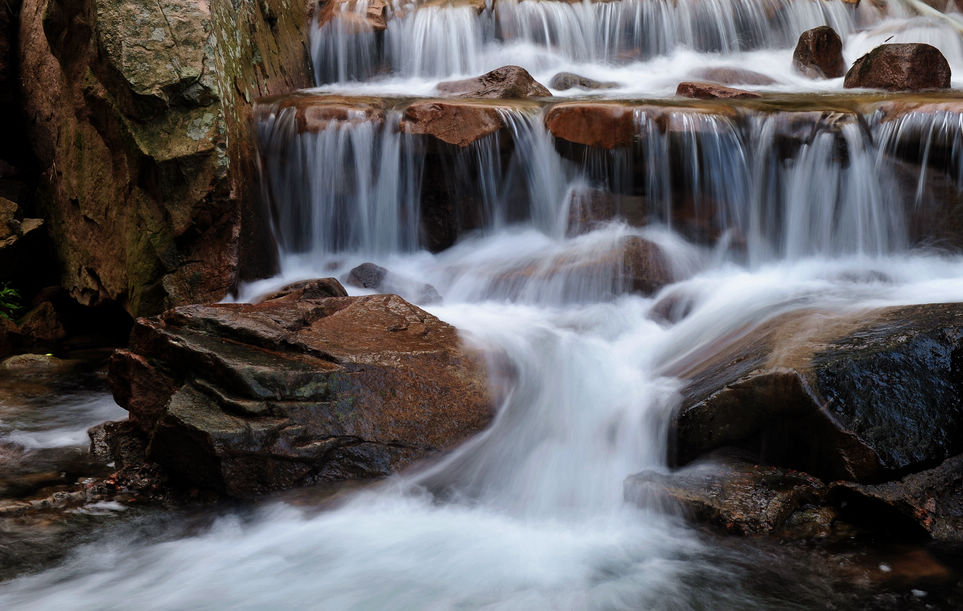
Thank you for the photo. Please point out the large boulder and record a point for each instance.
(819, 53)
(139, 117)
(900, 67)
(569, 80)
(602, 125)
(503, 83)
(246, 398)
(864, 397)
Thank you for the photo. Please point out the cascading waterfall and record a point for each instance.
(756, 210)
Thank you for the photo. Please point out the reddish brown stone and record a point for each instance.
(708, 91)
(454, 123)
(502, 83)
(347, 14)
(819, 53)
(257, 397)
(727, 75)
(605, 125)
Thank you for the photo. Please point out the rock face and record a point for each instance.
(354, 16)
(505, 82)
(249, 398)
(819, 53)
(138, 114)
(900, 67)
(708, 91)
(863, 398)
(568, 80)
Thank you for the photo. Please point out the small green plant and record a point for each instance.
(10, 301)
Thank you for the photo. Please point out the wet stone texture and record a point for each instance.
(247, 398)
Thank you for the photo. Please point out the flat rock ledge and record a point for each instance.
(248, 398)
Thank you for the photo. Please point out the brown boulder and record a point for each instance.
(900, 67)
(377, 278)
(318, 288)
(604, 125)
(708, 91)
(454, 123)
(246, 398)
(819, 53)
(505, 82)
(862, 397)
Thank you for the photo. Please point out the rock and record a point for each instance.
(740, 498)
(316, 113)
(354, 16)
(377, 278)
(707, 91)
(502, 83)
(604, 125)
(589, 208)
(863, 397)
(603, 266)
(139, 118)
(41, 326)
(568, 80)
(35, 363)
(819, 53)
(247, 398)
(9, 224)
(727, 75)
(319, 288)
(900, 67)
(454, 123)
(930, 501)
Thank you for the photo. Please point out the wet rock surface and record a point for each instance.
(819, 54)
(597, 125)
(900, 67)
(458, 124)
(726, 75)
(708, 91)
(569, 80)
(245, 399)
(377, 278)
(861, 397)
(504, 82)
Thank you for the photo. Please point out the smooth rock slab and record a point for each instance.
(900, 67)
(247, 398)
(863, 396)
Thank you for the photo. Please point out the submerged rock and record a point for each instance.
(569, 80)
(900, 67)
(377, 278)
(505, 82)
(247, 398)
(859, 397)
(708, 91)
(589, 208)
(819, 53)
(727, 75)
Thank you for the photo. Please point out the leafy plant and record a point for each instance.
(10, 301)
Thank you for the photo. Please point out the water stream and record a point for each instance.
(530, 514)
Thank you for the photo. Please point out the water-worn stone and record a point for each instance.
(819, 53)
(740, 498)
(377, 278)
(354, 16)
(503, 83)
(900, 67)
(708, 91)
(453, 123)
(931, 499)
(569, 80)
(862, 397)
(246, 398)
(318, 288)
(139, 118)
(727, 75)
(588, 208)
(598, 124)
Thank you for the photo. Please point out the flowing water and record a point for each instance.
(530, 514)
